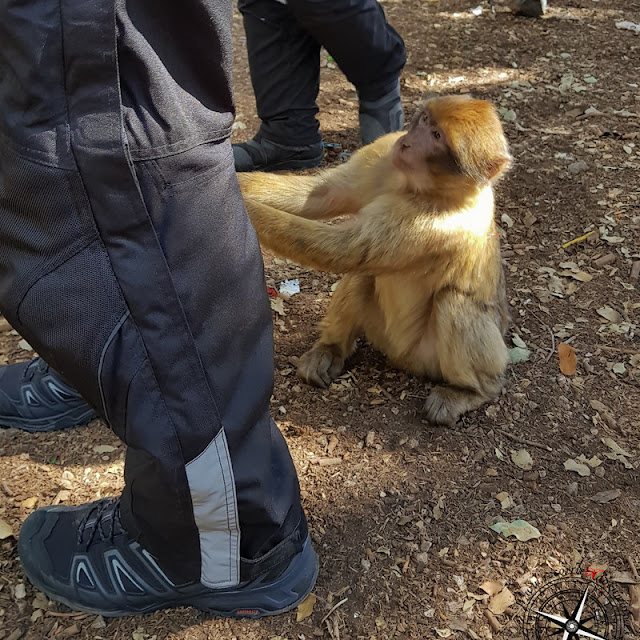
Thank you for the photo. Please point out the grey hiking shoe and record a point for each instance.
(83, 557)
(35, 398)
(260, 154)
(381, 116)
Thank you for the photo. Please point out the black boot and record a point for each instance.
(378, 117)
(260, 154)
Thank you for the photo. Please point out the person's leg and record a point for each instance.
(529, 8)
(128, 261)
(368, 51)
(284, 64)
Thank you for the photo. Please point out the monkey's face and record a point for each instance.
(424, 150)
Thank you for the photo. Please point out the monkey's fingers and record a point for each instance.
(441, 407)
(320, 365)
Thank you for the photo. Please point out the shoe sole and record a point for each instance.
(294, 165)
(67, 420)
(273, 598)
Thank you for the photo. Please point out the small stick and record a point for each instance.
(495, 625)
(553, 338)
(553, 345)
(531, 443)
(326, 462)
(633, 568)
(605, 260)
(580, 239)
(333, 609)
(631, 352)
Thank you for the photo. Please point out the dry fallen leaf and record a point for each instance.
(522, 459)
(29, 503)
(23, 344)
(607, 496)
(623, 577)
(615, 447)
(521, 529)
(104, 448)
(598, 406)
(580, 469)
(437, 510)
(444, 633)
(505, 500)
(305, 608)
(492, 587)
(458, 624)
(568, 359)
(5, 530)
(501, 602)
(610, 314)
(582, 276)
(277, 304)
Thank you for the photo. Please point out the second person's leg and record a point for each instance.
(284, 64)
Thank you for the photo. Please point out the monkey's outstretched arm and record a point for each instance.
(388, 235)
(327, 194)
(304, 196)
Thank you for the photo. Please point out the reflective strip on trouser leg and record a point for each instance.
(214, 508)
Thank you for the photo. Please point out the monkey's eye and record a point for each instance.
(436, 134)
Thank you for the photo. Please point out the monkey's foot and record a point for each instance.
(321, 364)
(444, 405)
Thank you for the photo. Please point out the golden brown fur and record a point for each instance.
(420, 252)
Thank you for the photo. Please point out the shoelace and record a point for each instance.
(104, 519)
(36, 365)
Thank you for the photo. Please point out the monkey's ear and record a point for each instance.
(497, 167)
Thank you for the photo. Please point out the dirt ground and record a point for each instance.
(400, 511)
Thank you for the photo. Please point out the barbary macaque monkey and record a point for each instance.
(423, 277)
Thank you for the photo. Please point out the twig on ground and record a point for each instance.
(631, 352)
(520, 440)
(550, 330)
(633, 569)
(334, 608)
(495, 625)
(580, 239)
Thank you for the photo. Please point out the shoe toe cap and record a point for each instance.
(242, 160)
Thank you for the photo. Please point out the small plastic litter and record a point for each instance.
(290, 287)
(628, 25)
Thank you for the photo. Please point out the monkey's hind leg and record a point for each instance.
(339, 329)
(472, 357)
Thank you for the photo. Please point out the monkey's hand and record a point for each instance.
(312, 197)
(444, 405)
(321, 364)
